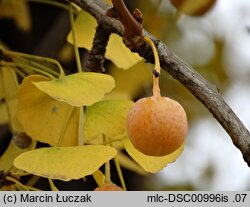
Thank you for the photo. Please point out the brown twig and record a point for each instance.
(132, 35)
(132, 28)
(194, 82)
(96, 56)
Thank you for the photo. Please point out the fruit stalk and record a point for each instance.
(157, 70)
(157, 126)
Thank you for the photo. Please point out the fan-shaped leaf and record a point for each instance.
(119, 54)
(6, 160)
(4, 118)
(1, 87)
(152, 164)
(78, 89)
(18, 10)
(44, 118)
(139, 76)
(9, 86)
(85, 26)
(106, 118)
(65, 163)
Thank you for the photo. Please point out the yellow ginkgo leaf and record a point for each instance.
(119, 54)
(1, 87)
(10, 85)
(79, 89)
(6, 10)
(139, 76)
(22, 15)
(7, 158)
(85, 26)
(152, 164)
(128, 163)
(18, 10)
(44, 118)
(65, 163)
(106, 118)
(4, 118)
(116, 51)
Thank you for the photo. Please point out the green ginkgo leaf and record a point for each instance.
(65, 163)
(79, 89)
(116, 51)
(152, 164)
(44, 118)
(106, 118)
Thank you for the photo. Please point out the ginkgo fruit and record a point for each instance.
(157, 125)
(108, 187)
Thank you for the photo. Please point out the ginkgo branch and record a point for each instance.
(132, 28)
(178, 69)
(96, 56)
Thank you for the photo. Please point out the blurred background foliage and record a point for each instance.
(215, 43)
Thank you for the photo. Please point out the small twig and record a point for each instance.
(97, 54)
(193, 81)
(132, 34)
(132, 28)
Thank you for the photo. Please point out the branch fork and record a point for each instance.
(132, 23)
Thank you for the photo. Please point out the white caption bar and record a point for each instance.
(125, 199)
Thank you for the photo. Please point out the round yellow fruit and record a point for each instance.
(157, 126)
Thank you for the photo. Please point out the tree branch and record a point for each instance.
(96, 56)
(194, 82)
